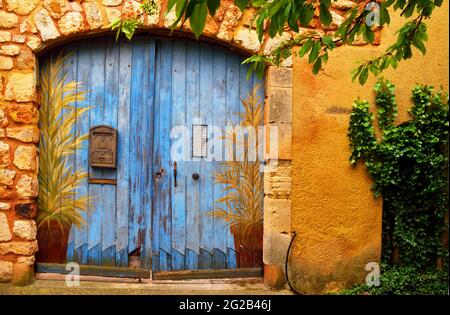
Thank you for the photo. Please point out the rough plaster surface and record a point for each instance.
(337, 220)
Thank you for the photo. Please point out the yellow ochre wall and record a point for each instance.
(337, 220)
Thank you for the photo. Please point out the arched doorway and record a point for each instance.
(152, 211)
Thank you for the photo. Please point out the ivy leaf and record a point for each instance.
(241, 4)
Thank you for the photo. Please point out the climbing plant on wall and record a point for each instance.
(283, 15)
(409, 167)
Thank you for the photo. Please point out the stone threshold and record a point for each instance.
(54, 284)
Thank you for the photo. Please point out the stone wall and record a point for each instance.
(29, 26)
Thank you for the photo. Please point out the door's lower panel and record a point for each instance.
(208, 274)
(95, 271)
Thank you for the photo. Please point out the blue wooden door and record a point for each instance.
(139, 216)
(198, 85)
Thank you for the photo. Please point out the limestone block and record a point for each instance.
(57, 8)
(18, 38)
(5, 234)
(6, 63)
(28, 260)
(22, 7)
(25, 157)
(5, 36)
(111, 2)
(336, 22)
(45, 25)
(230, 21)
(27, 114)
(342, 4)
(6, 271)
(4, 155)
(279, 77)
(21, 87)
(25, 60)
(279, 106)
(19, 248)
(27, 27)
(27, 187)
(275, 42)
(275, 248)
(34, 42)
(4, 206)
(112, 14)
(277, 215)
(25, 229)
(10, 50)
(7, 177)
(93, 15)
(8, 20)
(24, 134)
(278, 143)
(71, 23)
(247, 38)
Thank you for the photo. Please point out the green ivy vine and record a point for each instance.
(409, 167)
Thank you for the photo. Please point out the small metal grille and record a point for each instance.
(199, 141)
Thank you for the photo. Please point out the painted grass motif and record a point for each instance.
(243, 181)
(58, 200)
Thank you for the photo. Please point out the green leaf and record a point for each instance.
(241, 4)
(213, 5)
(306, 14)
(325, 15)
(306, 47)
(198, 18)
(327, 40)
(317, 65)
(314, 52)
(363, 76)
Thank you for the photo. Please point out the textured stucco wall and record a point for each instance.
(338, 222)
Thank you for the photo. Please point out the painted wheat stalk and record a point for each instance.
(58, 200)
(241, 178)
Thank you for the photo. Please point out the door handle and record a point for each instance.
(175, 174)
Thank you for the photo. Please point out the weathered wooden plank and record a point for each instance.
(81, 159)
(233, 107)
(147, 153)
(135, 149)
(87, 270)
(219, 121)
(70, 66)
(209, 274)
(164, 111)
(96, 99)
(178, 120)
(206, 167)
(192, 186)
(123, 125)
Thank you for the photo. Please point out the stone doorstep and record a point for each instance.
(51, 284)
